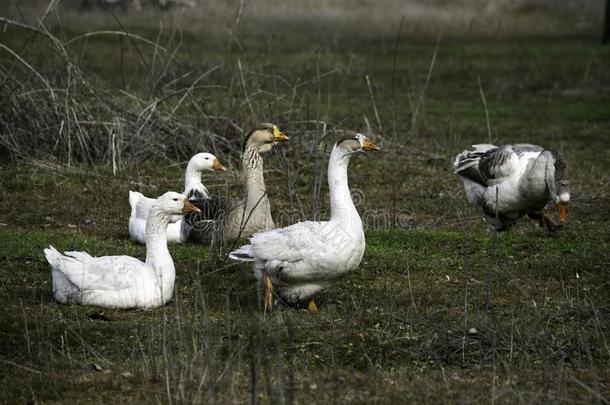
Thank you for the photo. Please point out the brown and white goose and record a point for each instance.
(225, 219)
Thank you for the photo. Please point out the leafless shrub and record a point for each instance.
(56, 112)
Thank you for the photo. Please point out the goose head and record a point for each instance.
(206, 162)
(175, 205)
(561, 186)
(264, 137)
(355, 145)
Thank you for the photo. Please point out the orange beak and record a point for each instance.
(218, 166)
(562, 209)
(189, 208)
(368, 146)
(279, 135)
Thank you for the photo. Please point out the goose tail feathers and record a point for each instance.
(53, 256)
(134, 197)
(470, 158)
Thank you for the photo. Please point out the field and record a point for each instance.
(441, 309)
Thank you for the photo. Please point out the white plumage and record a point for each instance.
(303, 259)
(122, 281)
(177, 232)
(510, 181)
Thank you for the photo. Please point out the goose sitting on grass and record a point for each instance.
(510, 181)
(193, 188)
(224, 219)
(303, 259)
(122, 281)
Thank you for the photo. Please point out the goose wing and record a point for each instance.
(488, 164)
(299, 250)
(279, 247)
(100, 273)
(214, 208)
(215, 211)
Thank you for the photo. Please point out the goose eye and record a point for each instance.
(207, 158)
(175, 199)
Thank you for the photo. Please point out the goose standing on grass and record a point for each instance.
(510, 181)
(303, 259)
(224, 219)
(193, 188)
(122, 281)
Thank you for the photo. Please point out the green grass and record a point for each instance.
(394, 327)
(441, 309)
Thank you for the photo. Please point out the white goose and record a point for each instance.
(122, 281)
(177, 231)
(510, 181)
(303, 259)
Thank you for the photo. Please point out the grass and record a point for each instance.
(441, 308)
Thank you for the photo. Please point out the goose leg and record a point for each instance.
(544, 221)
(268, 287)
(538, 216)
(311, 306)
(549, 224)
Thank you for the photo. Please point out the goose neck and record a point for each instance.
(156, 239)
(157, 254)
(254, 182)
(192, 177)
(341, 205)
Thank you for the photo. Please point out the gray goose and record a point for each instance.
(510, 181)
(224, 219)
